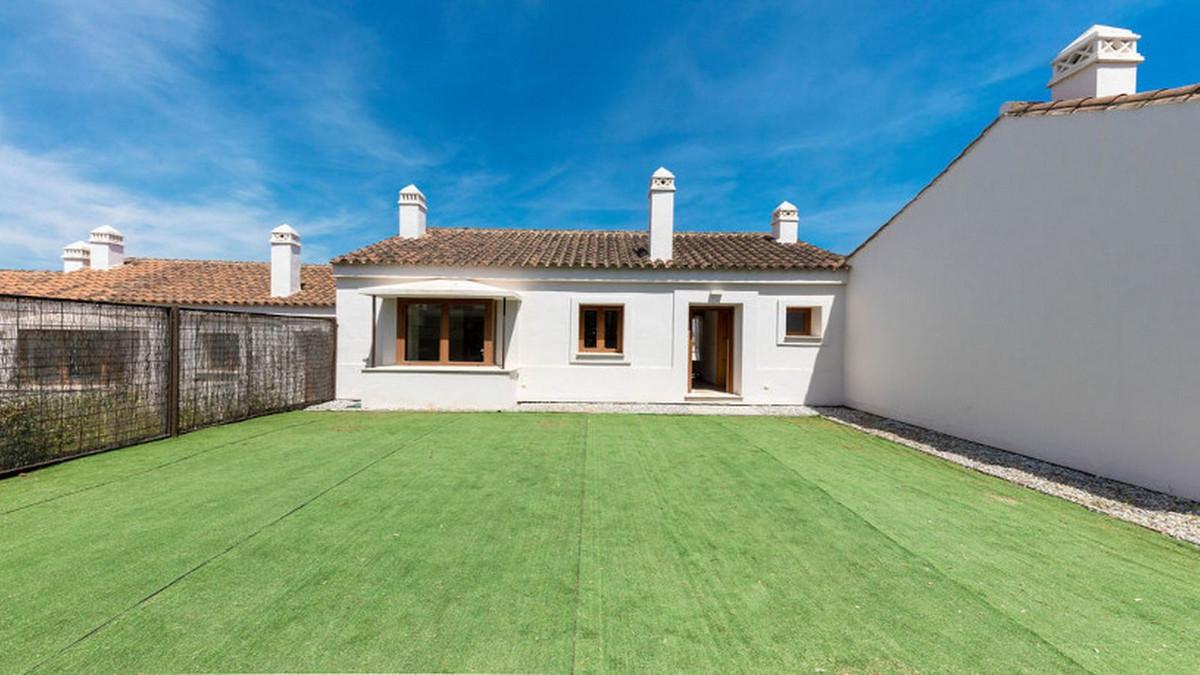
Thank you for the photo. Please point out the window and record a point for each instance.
(74, 357)
(447, 332)
(222, 352)
(601, 328)
(799, 322)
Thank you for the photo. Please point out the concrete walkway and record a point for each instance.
(689, 408)
(672, 408)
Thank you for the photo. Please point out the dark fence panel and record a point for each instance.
(83, 377)
(78, 377)
(236, 365)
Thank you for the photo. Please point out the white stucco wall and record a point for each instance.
(540, 362)
(1044, 296)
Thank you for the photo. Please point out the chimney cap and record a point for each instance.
(662, 180)
(1098, 44)
(785, 223)
(411, 195)
(285, 234)
(107, 230)
(77, 249)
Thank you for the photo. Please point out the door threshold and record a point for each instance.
(701, 395)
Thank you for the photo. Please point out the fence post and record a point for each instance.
(173, 371)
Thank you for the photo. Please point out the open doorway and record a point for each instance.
(710, 345)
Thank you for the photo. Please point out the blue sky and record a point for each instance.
(196, 127)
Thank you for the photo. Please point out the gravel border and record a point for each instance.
(336, 404)
(1174, 516)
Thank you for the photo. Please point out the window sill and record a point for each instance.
(600, 358)
(477, 370)
(805, 341)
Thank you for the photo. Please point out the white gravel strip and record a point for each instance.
(1173, 516)
(671, 409)
(337, 404)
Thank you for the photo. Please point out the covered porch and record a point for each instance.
(440, 323)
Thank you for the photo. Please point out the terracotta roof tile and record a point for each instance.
(175, 282)
(621, 249)
(1142, 99)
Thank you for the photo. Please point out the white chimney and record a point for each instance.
(785, 223)
(285, 261)
(412, 212)
(662, 213)
(1102, 61)
(108, 248)
(76, 256)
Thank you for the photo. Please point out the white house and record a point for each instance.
(1043, 293)
(490, 318)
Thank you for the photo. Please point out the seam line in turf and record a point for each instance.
(579, 544)
(153, 468)
(104, 624)
(979, 596)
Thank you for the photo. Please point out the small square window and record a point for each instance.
(222, 352)
(601, 328)
(800, 322)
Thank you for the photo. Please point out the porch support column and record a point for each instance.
(503, 341)
(374, 320)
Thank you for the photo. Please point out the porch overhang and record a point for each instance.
(446, 288)
(441, 288)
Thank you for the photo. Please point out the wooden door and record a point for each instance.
(724, 339)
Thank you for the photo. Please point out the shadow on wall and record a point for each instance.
(828, 374)
(976, 454)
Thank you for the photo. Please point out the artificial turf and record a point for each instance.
(524, 542)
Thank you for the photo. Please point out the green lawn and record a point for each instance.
(523, 542)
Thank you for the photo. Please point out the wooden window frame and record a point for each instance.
(601, 344)
(809, 327)
(489, 327)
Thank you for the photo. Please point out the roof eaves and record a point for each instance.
(1153, 97)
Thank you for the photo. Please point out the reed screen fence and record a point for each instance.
(83, 377)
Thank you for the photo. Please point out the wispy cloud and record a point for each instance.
(135, 45)
(45, 203)
(166, 152)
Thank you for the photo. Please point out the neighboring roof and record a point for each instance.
(1101, 103)
(175, 282)
(1190, 93)
(621, 249)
